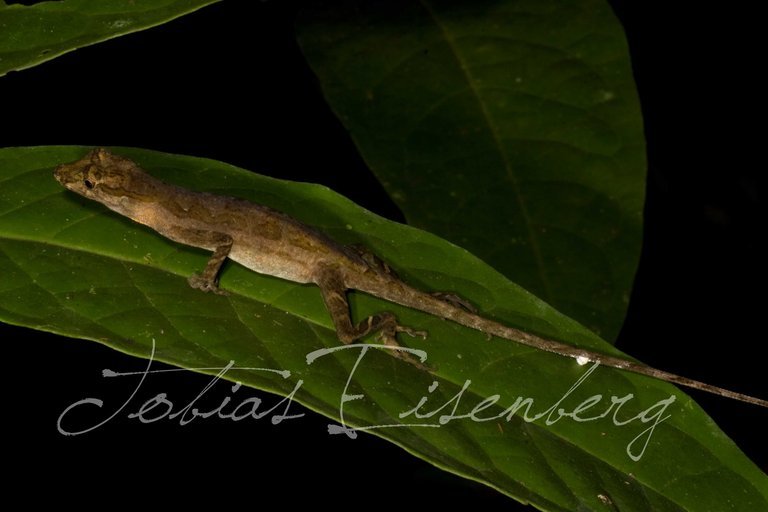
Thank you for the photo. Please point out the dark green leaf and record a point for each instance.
(72, 267)
(511, 128)
(33, 34)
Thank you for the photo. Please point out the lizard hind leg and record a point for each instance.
(455, 300)
(384, 324)
(373, 261)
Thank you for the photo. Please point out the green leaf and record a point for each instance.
(30, 35)
(511, 128)
(72, 267)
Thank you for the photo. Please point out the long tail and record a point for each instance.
(416, 299)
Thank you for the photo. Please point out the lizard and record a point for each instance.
(270, 242)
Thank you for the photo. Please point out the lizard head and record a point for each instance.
(101, 176)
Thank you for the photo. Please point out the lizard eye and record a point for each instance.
(88, 184)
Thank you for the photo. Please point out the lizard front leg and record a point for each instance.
(208, 279)
(334, 292)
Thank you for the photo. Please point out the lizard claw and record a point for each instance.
(411, 332)
(388, 336)
(389, 340)
(207, 285)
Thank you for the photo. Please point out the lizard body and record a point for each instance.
(270, 242)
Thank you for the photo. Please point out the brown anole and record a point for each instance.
(269, 242)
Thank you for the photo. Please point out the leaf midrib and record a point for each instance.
(493, 129)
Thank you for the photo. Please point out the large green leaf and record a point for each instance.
(509, 127)
(33, 34)
(72, 267)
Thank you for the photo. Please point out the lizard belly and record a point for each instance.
(269, 263)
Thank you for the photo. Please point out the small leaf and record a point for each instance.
(30, 35)
(511, 128)
(70, 266)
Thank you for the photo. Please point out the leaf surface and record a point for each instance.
(70, 266)
(511, 128)
(30, 35)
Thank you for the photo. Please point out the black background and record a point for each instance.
(230, 83)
